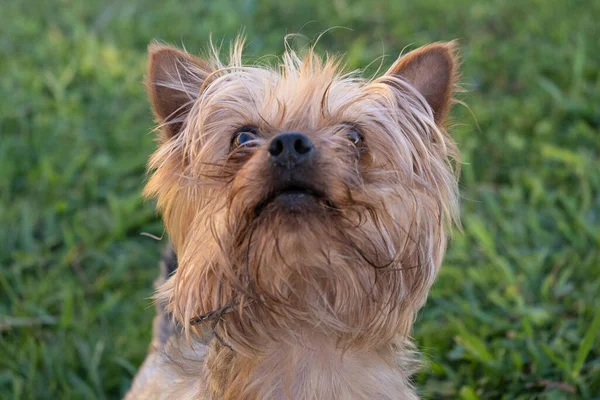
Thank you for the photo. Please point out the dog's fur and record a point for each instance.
(313, 297)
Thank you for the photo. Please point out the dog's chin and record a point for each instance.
(293, 202)
(296, 202)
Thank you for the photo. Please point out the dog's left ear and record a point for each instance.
(433, 71)
(173, 83)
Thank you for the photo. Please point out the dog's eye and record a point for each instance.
(353, 134)
(243, 135)
(354, 137)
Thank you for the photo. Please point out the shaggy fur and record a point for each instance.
(313, 299)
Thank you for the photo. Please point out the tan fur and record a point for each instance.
(319, 304)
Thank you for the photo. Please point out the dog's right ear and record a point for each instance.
(173, 82)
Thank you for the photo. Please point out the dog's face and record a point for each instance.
(300, 197)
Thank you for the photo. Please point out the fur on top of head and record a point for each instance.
(355, 263)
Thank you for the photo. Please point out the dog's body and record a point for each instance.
(178, 369)
(309, 214)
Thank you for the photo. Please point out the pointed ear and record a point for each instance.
(173, 82)
(433, 71)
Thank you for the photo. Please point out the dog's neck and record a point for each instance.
(313, 369)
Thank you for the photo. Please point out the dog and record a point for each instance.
(308, 210)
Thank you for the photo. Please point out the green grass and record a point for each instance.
(515, 313)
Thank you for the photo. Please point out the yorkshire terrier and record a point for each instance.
(309, 210)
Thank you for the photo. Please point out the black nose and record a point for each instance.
(290, 149)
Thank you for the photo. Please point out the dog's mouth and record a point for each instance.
(294, 197)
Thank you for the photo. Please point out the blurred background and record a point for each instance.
(515, 313)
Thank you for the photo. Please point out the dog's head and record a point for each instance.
(300, 196)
